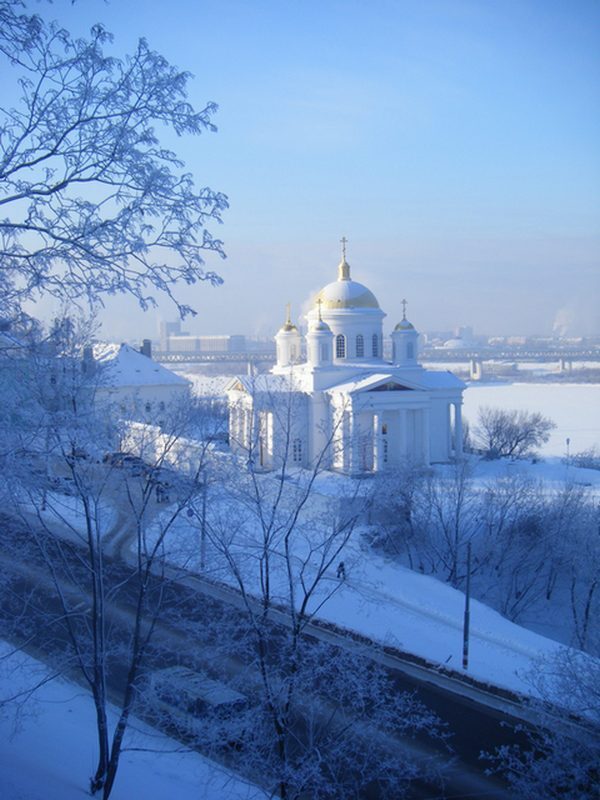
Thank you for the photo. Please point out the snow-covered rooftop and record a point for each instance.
(264, 383)
(413, 379)
(124, 366)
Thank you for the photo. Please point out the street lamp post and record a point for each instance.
(203, 528)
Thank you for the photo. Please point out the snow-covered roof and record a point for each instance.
(415, 379)
(124, 366)
(268, 383)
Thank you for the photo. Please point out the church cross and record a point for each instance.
(343, 241)
(404, 304)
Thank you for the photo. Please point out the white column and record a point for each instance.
(402, 450)
(426, 436)
(458, 431)
(377, 444)
(346, 442)
(449, 431)
(355, 465)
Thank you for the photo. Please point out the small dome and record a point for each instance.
(404, 325)
(319, 326)
(287, 327)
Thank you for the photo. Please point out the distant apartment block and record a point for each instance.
(206, 344)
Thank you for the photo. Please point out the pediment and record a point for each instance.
(390, 386)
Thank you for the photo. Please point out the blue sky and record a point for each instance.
(455, 144)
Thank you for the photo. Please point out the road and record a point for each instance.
(183, 637)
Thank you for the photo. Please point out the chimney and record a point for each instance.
(146, 348)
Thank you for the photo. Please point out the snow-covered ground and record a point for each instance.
(380, 598)
(574, 407)
(48, 748)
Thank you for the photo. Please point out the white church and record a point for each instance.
(334, 400)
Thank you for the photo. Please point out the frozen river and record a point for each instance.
(574, 407)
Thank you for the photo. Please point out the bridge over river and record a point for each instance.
(428, 354)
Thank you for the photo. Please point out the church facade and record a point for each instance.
(332, 400)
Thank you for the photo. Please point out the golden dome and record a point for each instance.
(288, 326)
(346, 293)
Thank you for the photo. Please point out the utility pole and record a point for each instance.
(465, 661)
(203, 528)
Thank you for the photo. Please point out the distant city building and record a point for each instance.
(206, 344)
(168, 329)
(345, 399)
(464, 332)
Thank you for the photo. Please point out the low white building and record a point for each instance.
(135, 385)
(342, 404)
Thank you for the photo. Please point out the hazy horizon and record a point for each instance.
(454, 143)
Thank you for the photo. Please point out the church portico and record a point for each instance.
(389, 437)
(354, 412)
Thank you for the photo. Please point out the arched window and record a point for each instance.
(375, 345)
(360, 346)
(324, 353)
(410, 350)
(340, 346)
(297, 451)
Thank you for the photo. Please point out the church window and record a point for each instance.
(384, 429)
(340, 346)
(375, 345)
(297, 451)
(360, 346)
(410, 350)
(324, 352)
(293, 354)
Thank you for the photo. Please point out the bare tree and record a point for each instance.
(449, 509)
(395, 512)
(501, 432)
(94, 516)
(92, 202)
(324, 722)
(562, 751)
